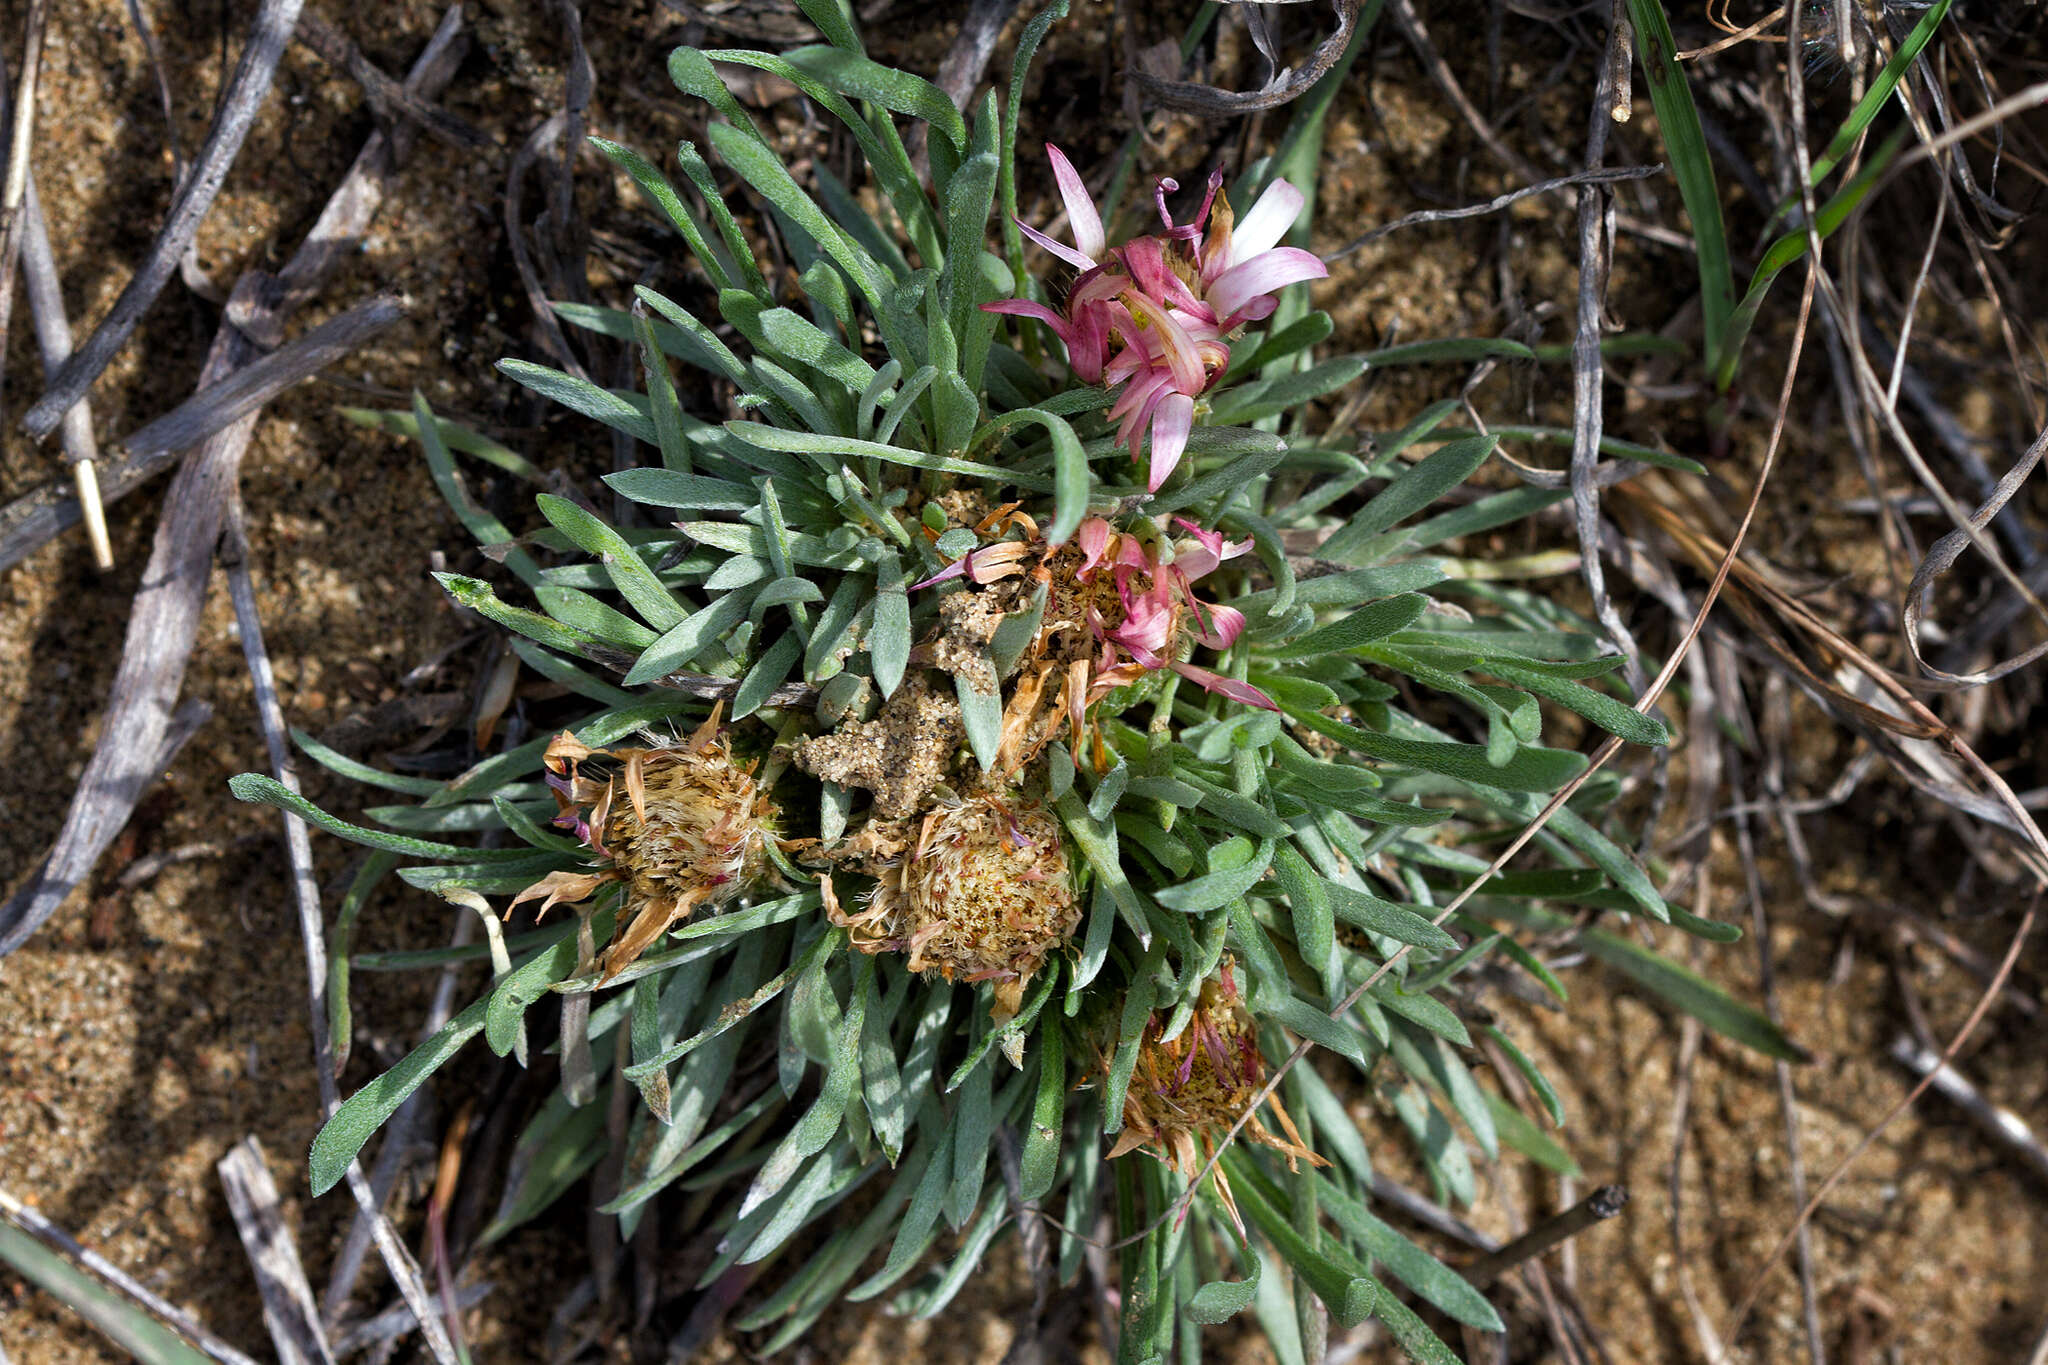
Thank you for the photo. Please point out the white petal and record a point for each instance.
(1269, 219)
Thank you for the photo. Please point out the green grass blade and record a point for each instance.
(1693, 167)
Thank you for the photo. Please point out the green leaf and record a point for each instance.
(363, 1113)
(557, 1149)
(759, 166)
(477, 595)
(1006, 158)
(580, 395)
(1449, 350)
(515, 992)
(629, 573)
(1071, 481)
(690, 637)
(1257, 453)
(858, 78)
(1351, 1298)
(672, 488)
(265, 790)
(1414, 489)
(1041, 1157)
(1413, 1266)
(1531, 769)
(1385, 918)
(1793, 246)
(337, 762)
(769, 672)
(1417, 1342)
(1219, 1301)
(126, 1326)
(1248, 403)
(1695, 995)
(1530, 1072)
(825, 1119)
(1678, 122)
(663, 196)
(486, 528)
(1230, 880)
(585, 614)
(1604, 711)
(1374, 621)
(1353, 586)
(889, 639)
(982, 715)
(1525, 1137)
(840, 447)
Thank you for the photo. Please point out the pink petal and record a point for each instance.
(1162, 187)
(1201, 219)
(1264, 273)
(1129, 362)
(1220, 625)
(1258, 310)
(1088, 344)
(1210, 550)
(1094, 539)
(1029, 308)
(1226, 687)
(1146, 630)
(1212, 541)
(1140, 418)
(953, 570)
(1059, 249)
(1176, 348)
(1081, 214)
(1097, 285)
(1170, 427)
(1145, 258)
(1267, 222)
(1136, 394)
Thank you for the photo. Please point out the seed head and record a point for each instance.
(978, 890)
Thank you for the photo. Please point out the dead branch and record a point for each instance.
(1287, 85)
(388, 97)
(244, 96)
(280, 1278)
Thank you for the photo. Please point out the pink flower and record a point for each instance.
(1151, 316)
(1117, 609)
(1159, 605)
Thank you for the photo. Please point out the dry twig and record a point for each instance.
(280, 1279)
(268, 35)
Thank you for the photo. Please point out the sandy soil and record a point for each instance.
(150, 1026)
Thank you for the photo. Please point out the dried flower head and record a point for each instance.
(680, 825)
(1187, 1091)
(978, 890)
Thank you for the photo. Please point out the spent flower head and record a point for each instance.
(1189, 1089)
(679, 826)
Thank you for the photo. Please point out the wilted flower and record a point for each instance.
(680, 825)
(1154, 314)
(1187, 1092)
(1160, 608)
(1116, 608)
(977, 890)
